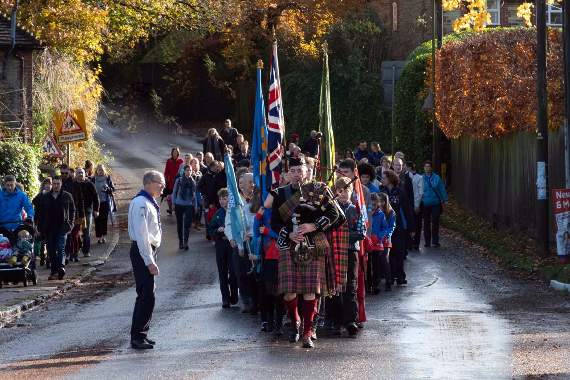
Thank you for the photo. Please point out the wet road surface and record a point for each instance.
(460, 317)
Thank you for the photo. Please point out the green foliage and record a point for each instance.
(23, 162)
(356, 95)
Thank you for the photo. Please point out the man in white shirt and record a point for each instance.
(418, 185)
(146, 233)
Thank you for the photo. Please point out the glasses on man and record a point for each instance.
(162, 184)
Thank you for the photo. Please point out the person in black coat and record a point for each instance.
(214, 144)
(229, 134)
(404, 224)
(207, 186)
(311, 145)
(55, 214)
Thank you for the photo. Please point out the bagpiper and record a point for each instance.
(302, 213)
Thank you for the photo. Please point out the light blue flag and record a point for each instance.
(235, 204)
(259, 139)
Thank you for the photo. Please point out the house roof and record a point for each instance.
(24, 38)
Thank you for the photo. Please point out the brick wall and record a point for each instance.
(407, 24)
(15, 100)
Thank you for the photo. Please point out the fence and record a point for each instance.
(497, 178)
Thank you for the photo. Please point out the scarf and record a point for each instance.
(144, 193)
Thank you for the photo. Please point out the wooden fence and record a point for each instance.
(497, 178)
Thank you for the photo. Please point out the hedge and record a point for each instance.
(23, 162)
(486, 83)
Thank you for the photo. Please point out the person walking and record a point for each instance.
(184, 198)
(55, 215)
(86, 207)
(418, 184)
(170, 173)
(433, 199)
(214, 144)
(404, 224)
(224, 252)
(40, 241)
(105, 188)
(145, 233)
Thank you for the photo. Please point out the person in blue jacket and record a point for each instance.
(383, 226)
(12, 202)
(433, 200)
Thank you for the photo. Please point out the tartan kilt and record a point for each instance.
(301, 278)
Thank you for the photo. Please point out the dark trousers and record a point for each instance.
(431, 216)
(378, 267)
(226, 275)
(55, 243)
(242, 266)
(184, 216)
(418, 232)
(272, 306)
(101, 220)
(144, 304)
(398, 254)
(343, 308)
(86, 238)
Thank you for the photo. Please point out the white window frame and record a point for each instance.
(496, 10)
(549, 11)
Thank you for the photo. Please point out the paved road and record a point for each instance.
(460, 317)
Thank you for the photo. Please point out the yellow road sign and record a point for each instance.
(70, 126)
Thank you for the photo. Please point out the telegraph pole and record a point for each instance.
(542, 227)
(437, 37)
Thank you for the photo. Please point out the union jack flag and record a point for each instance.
(276, 128)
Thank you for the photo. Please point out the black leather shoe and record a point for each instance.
(60, 273)
(294, 336)
(352, 329)
(307, 342)
(149, 341)
(141, 345)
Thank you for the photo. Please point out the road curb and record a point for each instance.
(560, 286)
(14, 311)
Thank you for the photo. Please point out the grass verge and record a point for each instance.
(513, 250)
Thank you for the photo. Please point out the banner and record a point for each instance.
(561, 205)
(70, 126)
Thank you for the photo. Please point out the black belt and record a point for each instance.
(152, 246)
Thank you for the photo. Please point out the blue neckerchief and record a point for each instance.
(144, 193)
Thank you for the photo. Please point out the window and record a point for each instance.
(494, 9)
(554, 15)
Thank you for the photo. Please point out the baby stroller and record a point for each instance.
(23, 267)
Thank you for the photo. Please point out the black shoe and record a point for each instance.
(308, 342)
(180, 245)
(436, 245)
(294, 335)
(61, 273)
(66, 261)
(169, 212)
(427, 245)
(352, 329)
(402, 282)
(234, 300)
(186, 247)
(141, 344)
(225, 305)
(360, 325)
(149, 341)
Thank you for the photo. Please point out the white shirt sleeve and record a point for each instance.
(142, 235)
(228, 226)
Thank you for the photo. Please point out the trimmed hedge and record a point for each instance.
(23, 162)
(486, 83)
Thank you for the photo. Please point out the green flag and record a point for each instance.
(325, 126)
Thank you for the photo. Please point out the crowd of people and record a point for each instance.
(308, 250)
(62, 214)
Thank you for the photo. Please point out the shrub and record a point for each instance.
(486, 83)
(23, 162)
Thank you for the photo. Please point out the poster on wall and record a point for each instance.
(561, 206)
